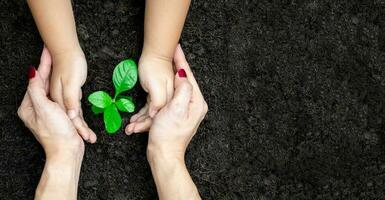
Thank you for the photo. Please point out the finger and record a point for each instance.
(80, 94)
(142, 118)
(135, 117)
(142, 112)
(55, 91)
(170, 90)
(92, 134)
(93, 137)
(71, 98)
(36, 90)
(25, 109)
(158, 96)
(179, 57)
(81, 128)
(183, 93)
(45, 64)
(26, 101)
(130, 128)
(181, 63)
(143, 126)
(45, 67)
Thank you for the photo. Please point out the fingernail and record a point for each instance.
(31, 72)
(72, 114)
(182, 73)
(129, 130)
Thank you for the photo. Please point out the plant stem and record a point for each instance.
(116, 95)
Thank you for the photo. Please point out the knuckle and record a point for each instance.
(29, 89)
(20, 113)
(205, 107)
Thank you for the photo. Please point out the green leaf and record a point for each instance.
(100, 99)
(125, 97)
(112, 119)
(125, 76)
(125, 105)
(96, 110)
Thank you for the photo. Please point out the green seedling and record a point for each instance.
(124, 78)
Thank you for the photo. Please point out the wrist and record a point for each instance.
(152, 53)
(67, 53)
(62, 171)
(69, 48)
(161, 163)
(65, 159)
(70, 153)
(157, 153)
(60, 177)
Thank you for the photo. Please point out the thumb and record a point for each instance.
(158, 96)
(36, 90)
(71, 98)
(182, 95)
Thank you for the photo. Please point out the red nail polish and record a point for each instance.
(31, 72)
(182, 73)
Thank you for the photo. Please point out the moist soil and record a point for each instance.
(295, 92)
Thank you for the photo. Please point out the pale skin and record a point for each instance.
(170, 133)
(56, 24)
(63, 146)
(172, 129)
(164, 20)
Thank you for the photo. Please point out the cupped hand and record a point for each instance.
(175, 124)
(156, 76)
(46, 119)
(68, 76)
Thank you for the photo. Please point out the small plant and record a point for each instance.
(124, 78)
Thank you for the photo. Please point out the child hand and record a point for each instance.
(157, 79)
(141, 121)
(69, 73)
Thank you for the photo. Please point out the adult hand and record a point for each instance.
(172, 130)
(142, 121)
(68, 76)
(51, 126)
(175, 125)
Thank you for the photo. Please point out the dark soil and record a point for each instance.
(295, 91)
